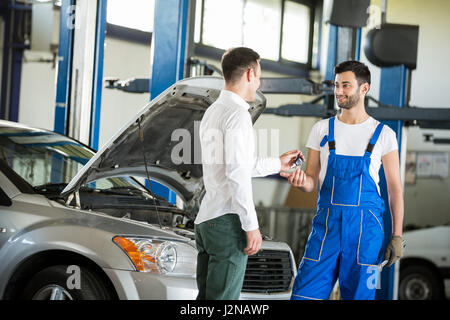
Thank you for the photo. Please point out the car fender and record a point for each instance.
(94, 245)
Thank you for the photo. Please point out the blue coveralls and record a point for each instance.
(347, 230)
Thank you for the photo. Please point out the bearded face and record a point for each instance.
(347, 101)
(347, 91)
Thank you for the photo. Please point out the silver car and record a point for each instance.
(75, 224)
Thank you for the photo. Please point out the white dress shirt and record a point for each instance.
(229, 161)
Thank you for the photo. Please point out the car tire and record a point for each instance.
(419, 283)
(61, 283)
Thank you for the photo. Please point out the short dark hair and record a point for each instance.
(238, 60)
(361, 71)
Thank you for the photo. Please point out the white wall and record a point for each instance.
(123, 60)
(38, 78)
(37, 91)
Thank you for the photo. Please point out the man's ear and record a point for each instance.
(249, 74)
(365, 87)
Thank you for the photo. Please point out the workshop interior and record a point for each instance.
(98, 97)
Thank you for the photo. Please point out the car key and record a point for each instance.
(298, 163)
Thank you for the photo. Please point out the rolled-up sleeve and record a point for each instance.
(240, 162)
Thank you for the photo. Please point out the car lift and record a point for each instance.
(16, 40)
(79, 90)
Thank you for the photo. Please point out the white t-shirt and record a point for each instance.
(352, 140)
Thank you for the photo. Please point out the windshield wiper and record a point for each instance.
(124, 191)
(137, 191)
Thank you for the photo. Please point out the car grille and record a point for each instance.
(268, 271)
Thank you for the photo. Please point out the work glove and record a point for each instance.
(394, 250)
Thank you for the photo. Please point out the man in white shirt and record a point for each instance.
(226, 227)
(344, 156)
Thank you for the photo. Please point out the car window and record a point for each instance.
(41, 157)
(49, 161)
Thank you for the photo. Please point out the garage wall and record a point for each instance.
(122, 60)
(37, 92)
(38, 79)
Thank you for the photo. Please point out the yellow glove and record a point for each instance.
(394, 250)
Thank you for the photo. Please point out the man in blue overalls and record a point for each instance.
(345, 153)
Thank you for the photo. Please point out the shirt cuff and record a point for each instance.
(249, 220)
(268, 166)
(250, 227)
(277, 165)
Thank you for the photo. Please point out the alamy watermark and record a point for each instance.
(71, 22)
(375, 17)
(74, 280)
(374, 280)
(188, 150)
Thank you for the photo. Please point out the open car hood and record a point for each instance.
(167, 123)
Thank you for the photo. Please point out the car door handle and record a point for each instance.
(3, 230)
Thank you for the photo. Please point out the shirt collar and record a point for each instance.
(229, 95)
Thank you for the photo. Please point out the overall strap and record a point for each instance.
(331, 142)
(374, 139)
(330, 137)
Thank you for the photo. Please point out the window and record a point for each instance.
(296, 22)
(262, 27)
(251, 23)
(132, 14)
(279, 30)
(222, 24)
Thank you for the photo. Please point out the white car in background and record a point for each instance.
(425, 267)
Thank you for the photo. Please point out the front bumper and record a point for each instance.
(265, 296)
(134, 285)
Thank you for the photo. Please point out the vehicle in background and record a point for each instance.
(425, 266)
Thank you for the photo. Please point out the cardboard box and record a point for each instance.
(299, 199)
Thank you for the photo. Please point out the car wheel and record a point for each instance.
(55, 283)
(419, 283)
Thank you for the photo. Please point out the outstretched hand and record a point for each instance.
(288, 159)
(296, 178)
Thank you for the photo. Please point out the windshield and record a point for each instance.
(48, 161)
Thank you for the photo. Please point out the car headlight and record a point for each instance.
(159, 256)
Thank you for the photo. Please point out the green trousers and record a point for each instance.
(221, 260)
